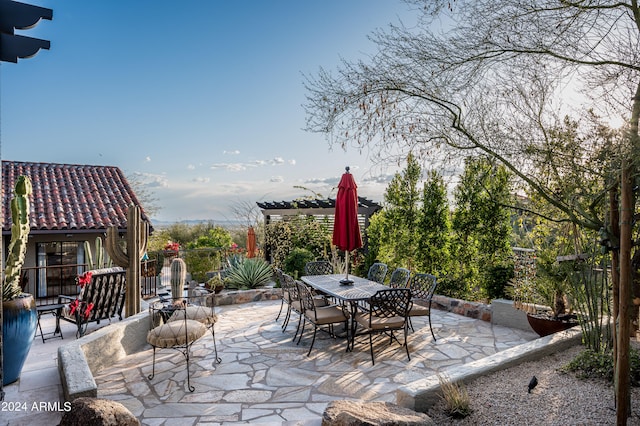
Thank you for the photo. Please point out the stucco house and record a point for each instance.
(70, 204)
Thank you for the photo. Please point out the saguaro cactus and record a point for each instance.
(99, 261)
(19, 235)
(178, 277)
(128, 255)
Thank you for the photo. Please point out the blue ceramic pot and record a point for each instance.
(19, 320)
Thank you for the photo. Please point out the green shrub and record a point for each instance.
(452, 286)
(496, 279)
(248, 273)
(590, 364)
(295, 261)
(299, 232)
(201, 261)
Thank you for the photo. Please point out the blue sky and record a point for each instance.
(200, 99)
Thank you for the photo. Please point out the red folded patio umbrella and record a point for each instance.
(346, 230)
(251, 243)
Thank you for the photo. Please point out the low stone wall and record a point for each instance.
(424, 393)
(233, 297)
(80, 360)
(475, 310)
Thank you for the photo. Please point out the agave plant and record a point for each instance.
(249, 273)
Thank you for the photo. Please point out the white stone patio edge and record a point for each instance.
(80, 360)
(423, 394)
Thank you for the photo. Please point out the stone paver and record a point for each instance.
(265, 377)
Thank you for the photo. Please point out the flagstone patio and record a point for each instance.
(266, 378)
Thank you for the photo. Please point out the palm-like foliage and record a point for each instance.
(248, 273)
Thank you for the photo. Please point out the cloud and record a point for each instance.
(382, 178)
(332, 181)
(237, 167)
(191, 167)
(232, 167)
(147, 159)
(234, 152)
(276, 179)
(152, 180)
(201, 180)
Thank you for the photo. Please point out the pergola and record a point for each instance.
(322, 210)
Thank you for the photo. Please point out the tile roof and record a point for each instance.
(69, 197)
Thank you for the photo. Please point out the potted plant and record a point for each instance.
(215, 283)
(19, 316)
(542, 293)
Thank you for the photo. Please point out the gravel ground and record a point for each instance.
(559, 399)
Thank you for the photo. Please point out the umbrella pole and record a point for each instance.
(347, 265)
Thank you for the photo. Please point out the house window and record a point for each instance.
(59, 263)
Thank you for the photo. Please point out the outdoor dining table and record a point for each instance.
(349, 294)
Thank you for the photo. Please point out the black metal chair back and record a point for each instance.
(388, 312)
(318, 267)
(399, 278)
(394, 302)
(423, 287)
(306, 299)
(377, 272)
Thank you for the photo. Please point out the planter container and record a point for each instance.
(544, 325)
(19, 320)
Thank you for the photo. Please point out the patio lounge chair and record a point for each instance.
(101, 298)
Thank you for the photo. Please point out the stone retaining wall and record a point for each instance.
(233, 297)
(475, 310)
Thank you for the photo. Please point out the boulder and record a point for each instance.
(357, 413)
(98, 412)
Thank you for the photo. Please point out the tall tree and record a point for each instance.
(435, 226)
(394, 234)
(480, 76)
(481, 222)
(145, 196)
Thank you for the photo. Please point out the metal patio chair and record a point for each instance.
(318, 315)
(423, 287)
(387, 312)
(285, 294)
(179, 333)
(399, 278)
(377, 272)
(201, 308)
(318, 267)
